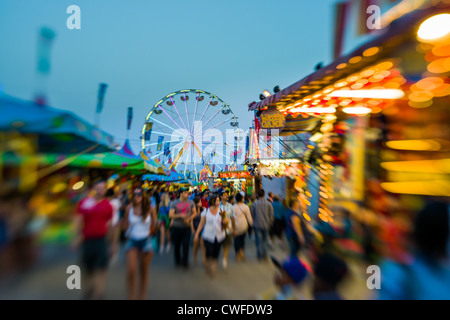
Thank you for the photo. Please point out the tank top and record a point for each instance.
(213, 227)
(138, 229)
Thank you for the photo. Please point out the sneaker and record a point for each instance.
(168, 248)
(161, 250)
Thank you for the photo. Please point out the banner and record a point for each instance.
(269, 144)
(340, 23)
(130, 117)
(101, 95)
(247, 145)
(160, 143)
(167, 149)
(235, 150)
(148, 131)
(234, 174)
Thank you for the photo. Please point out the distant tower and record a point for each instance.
(46, 36)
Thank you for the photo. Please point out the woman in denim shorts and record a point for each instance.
(139, 250)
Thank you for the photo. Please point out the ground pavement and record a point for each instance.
(242, 281)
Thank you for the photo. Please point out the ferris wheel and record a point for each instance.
(192, 130)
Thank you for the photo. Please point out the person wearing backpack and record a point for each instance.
(243, 220)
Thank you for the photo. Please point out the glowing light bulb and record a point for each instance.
(435, 27)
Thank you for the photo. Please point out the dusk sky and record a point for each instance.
(145, 50)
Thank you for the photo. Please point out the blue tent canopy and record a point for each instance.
(57, 130)
(173, 177)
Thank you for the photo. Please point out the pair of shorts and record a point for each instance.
(212, 249)
(143, 245)
(94, 254)
(165, 219)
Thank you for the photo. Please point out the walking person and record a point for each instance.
(164, 222)
(205, 196)
(212, 224)
(124, 202)
(182, 211)
(232, 199)
(294, 230)
(139, 222)
(243, 220)
(262, 214)
(227, 208)
(194, 226)
(279, 223)
(92, 224)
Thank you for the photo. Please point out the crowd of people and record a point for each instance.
(149, 221)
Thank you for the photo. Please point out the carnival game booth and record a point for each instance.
(36, 190)
(236, 180)
(28, 129)
(121, 169)
(381, 140)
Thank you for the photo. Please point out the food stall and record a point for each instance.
(240, 180)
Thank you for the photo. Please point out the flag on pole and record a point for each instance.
(101, 95)
(130, 117)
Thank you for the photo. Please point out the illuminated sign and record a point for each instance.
(234, 174)
(272, 119)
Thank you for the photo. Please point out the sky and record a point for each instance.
(145, 50)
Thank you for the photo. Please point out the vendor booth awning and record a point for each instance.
(56, 130)
(124, 159)
(152, 164)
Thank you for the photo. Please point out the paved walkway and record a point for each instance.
(47, 280)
